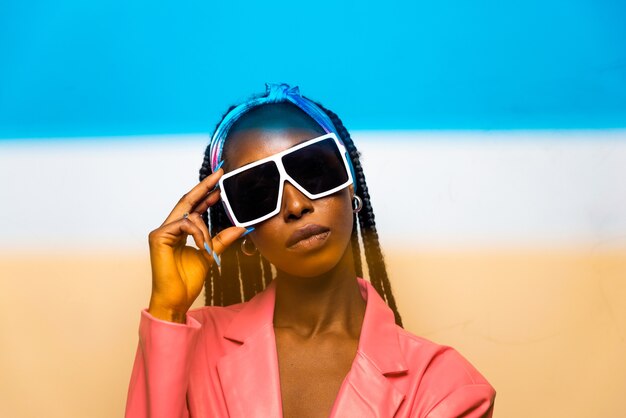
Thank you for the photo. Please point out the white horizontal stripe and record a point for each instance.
(428, 188)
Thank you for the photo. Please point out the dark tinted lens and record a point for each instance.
(318, 167)
(254, 192)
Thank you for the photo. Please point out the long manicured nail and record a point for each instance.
(214, 254)
(217, 259)
(248, 230)
(218, 166)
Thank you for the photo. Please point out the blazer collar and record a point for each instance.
(249, 373)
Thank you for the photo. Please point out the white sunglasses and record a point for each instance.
(317, 168)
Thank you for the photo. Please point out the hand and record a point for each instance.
(178, 270)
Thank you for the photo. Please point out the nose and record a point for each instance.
(294, 204)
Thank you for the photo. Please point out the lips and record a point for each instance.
(305, 232)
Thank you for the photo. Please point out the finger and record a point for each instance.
(200, 239)
(226, 237)
(180, 229)
(209, 201)
(199, 222)
(189, 200)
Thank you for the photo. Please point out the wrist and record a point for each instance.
(167, 314)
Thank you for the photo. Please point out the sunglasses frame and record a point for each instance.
(277, 159)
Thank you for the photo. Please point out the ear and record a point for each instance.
(351, 188)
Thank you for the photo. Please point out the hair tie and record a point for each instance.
(274, 93)
(280, 91)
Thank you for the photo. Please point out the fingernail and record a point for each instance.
(248, 230)
(218, 166)
(213, 253)
(217, 259)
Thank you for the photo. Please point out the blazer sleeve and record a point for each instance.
(474, 401)
(457, 388)
(160, 374)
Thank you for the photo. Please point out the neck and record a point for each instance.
(330, 302)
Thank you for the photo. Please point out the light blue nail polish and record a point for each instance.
(218, 166)
(248, 230)
(217, 259)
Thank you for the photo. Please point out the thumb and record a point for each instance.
(226, 237)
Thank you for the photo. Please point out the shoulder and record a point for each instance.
(443, 375)
(216, 316)
(212, 324)
(438, 358)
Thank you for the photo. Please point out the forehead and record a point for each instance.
(246, 146)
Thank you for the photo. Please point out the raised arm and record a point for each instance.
(167, 335)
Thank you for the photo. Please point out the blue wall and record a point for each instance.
(82, 68)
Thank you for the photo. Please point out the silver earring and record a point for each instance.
(357, 204)
(245, 249)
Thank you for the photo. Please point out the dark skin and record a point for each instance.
(319, 309)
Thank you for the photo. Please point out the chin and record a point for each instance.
(311, 264)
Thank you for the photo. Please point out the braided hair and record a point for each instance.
(243, 276)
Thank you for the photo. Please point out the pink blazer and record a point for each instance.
(223, 363)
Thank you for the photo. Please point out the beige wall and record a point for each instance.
(547, 328)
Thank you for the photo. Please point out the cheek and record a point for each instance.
(343, 222)
(267, 237)
(336, 212)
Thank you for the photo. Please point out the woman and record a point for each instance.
(312, 339)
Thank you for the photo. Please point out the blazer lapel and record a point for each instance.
(368, 390)
(249, 373)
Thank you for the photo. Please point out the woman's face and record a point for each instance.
(311, 257)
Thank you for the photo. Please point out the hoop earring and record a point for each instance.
(357, 204)
(246, 250)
